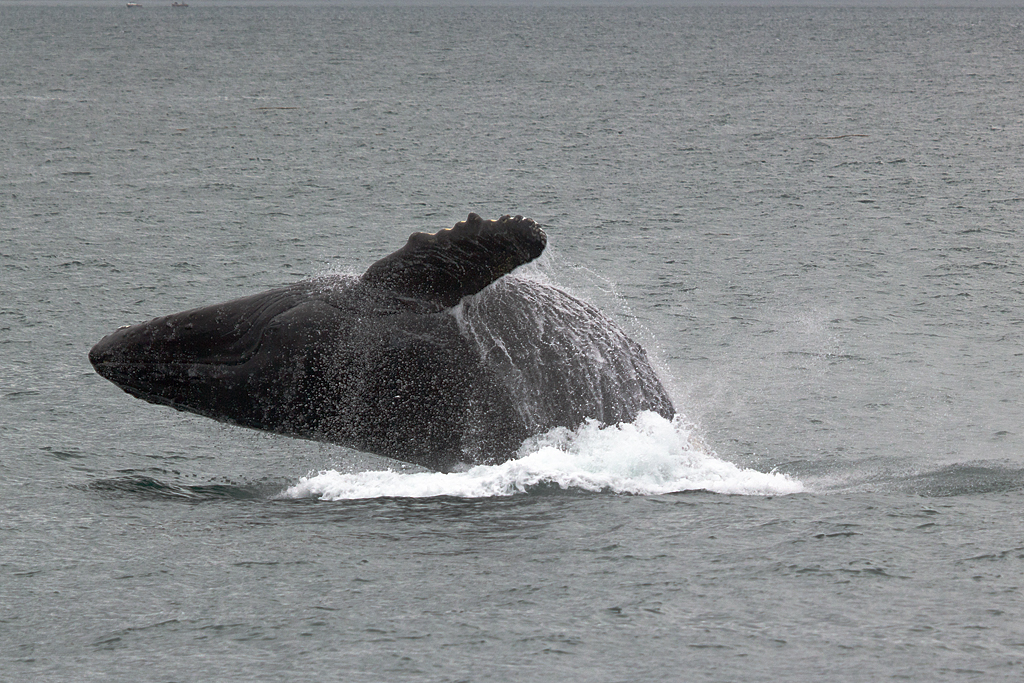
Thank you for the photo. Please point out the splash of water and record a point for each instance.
(648, 456)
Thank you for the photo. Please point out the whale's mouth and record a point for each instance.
(130, 360)
(168, 359)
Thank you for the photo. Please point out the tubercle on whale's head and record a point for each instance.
(447, 265)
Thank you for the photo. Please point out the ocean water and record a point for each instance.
(811, 218)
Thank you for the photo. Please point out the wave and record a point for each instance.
(649, 456)
(147, 486)
(948, 481)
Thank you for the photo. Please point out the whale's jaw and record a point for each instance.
(206, 360)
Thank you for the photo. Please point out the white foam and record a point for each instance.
(649, 456)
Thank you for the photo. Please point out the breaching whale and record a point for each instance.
(434, 356)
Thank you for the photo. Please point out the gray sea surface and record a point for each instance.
(811, 218)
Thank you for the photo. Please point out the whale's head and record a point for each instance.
(226, 361)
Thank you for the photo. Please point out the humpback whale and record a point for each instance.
(436, 355)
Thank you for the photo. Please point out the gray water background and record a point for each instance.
(810, 217)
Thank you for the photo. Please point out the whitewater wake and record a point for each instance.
(649, 456)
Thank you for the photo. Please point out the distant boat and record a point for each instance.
(133, 4)
(179, 4)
